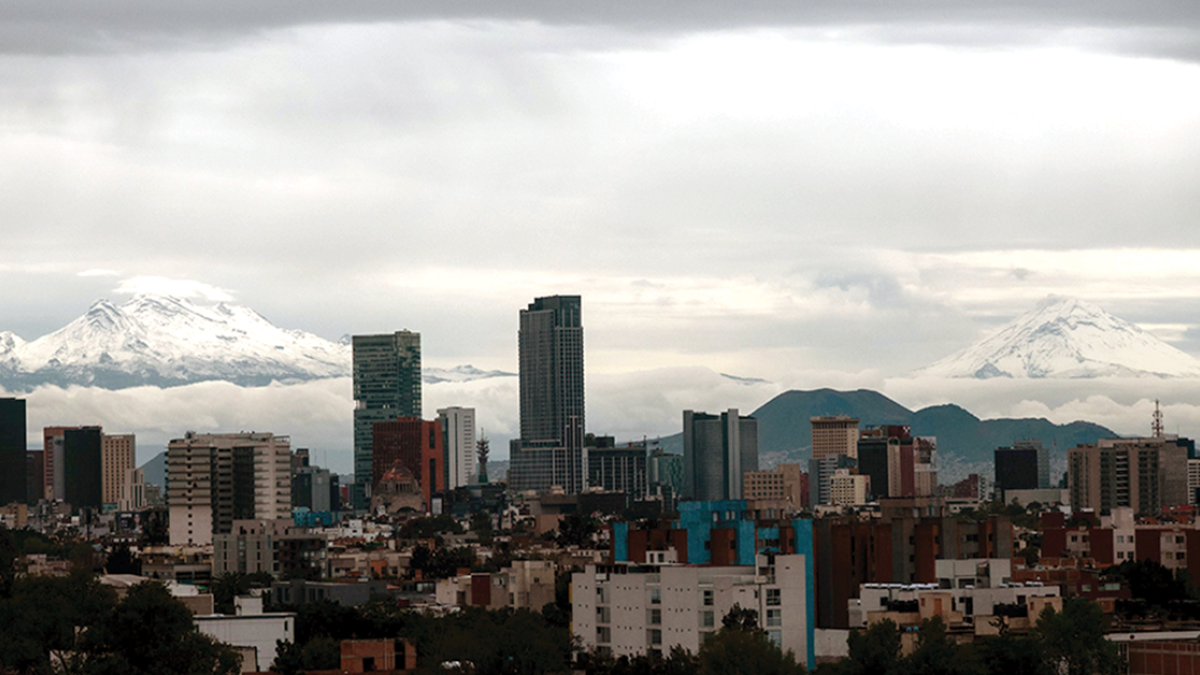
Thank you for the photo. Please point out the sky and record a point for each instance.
(812, 194)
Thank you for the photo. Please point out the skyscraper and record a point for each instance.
(717, 451)
(118, 452)
(387, 385)
(83, 476)
(550, 345)
(458, 425)
(550, 450)
(12, 451)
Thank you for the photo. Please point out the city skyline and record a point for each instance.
(831, 194)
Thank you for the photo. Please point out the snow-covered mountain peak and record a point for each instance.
(1066, 337)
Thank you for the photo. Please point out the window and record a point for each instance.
(654, 636)
(776, 637)
(655, 617)
(655, 596)
(708, 598)
(774, 617)
(603, 634)
(773, 597)
(707, 619)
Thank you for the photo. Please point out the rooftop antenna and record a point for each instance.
(1157, 425)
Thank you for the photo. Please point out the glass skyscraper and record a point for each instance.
(387, 385)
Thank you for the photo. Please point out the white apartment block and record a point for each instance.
(626, 610)
(214, 479)
(459, 427)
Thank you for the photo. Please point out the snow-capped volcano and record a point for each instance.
(164, 341)
(1067, 338)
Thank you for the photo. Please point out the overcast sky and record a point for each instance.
(771, 189)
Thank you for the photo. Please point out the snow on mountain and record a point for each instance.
(1067, 338)
(162, 340)
(465, 373)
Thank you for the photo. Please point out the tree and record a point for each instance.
(875, 651)
(322, 653)
(1075, 639)
(742, 648)
(936, 654)
(1008, 654)
(122, 561)
(150, 632)
(576, 530)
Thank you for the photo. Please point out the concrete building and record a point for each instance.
(52, 462)
(784, 483)
(251, 631)
(717, 451)
(215, 479)
(133, 491)
(118, 453)
(525, 584)
(834, 435)
(276, 547)
(635, 609)
(315, 489)
(35, 476)
(458, 427)
(13, 470)
(387, 385)
(821, 473)
(849, 489)
(617, 469)
(1144, 474)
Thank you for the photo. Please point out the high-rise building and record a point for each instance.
(617, 469)
(12, 451)
(781, 484)
(117, 457)
(550, 451)
(416, 445)
(83, 475)
(1024, 466)
(550, 345)
(35, 481)
(1144, 474)
(53, 461)
(834, 435)
(717, 451)
(387, 385)
(458, 425)
(215, 479)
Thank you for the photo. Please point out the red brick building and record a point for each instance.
(417, 445)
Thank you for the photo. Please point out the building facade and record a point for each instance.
(618, 469)
(416, 445)
(82, 468)
(387, 385)
(1024, 466)
(458, 427)
(215, 479)
(550, 346)
(13, 471)
(834, 435)
(784, 483)
(1144, 474)
(118, 454)
(717, 451)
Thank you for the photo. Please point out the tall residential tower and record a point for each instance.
(387, 385)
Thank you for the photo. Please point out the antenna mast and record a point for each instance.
(1157, 425)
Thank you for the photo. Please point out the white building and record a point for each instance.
(214, 478)
(625, 609)
(459, 427)
(250, 631)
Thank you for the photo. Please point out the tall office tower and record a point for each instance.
(1024, 466)
(387, 385)
(214, 479)
(52, 461)
(117, 457)
(82, 468)
(550, 342)
(717, 451)
(550, 451)
(834, 435)
(417, 446)
(35, 481)
(12, 451)
(1145, 474)
(617, 469)
(458, 425)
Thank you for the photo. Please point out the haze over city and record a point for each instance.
(828, 196)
